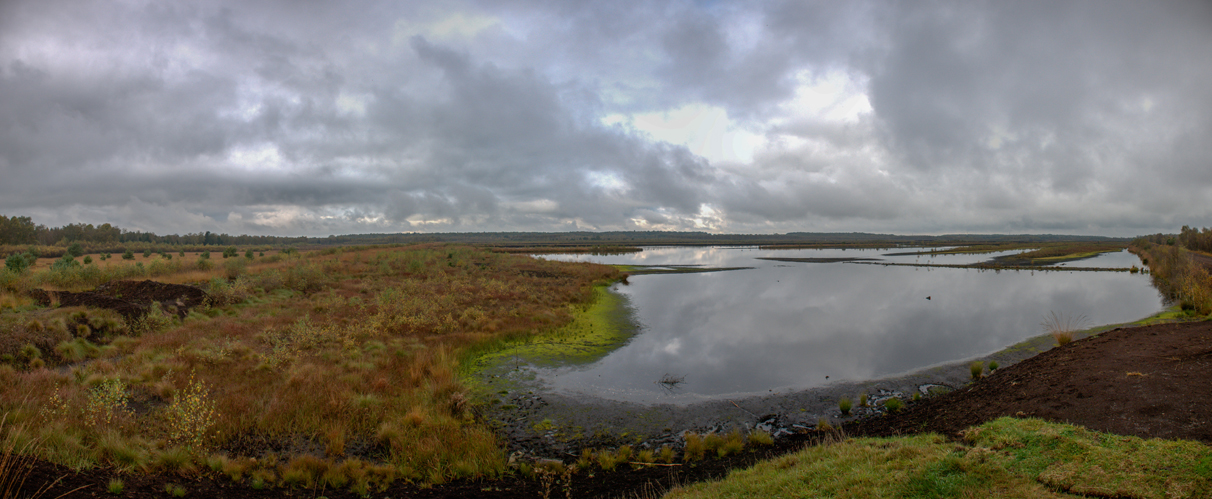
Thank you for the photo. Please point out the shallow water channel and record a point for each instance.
(790, 326)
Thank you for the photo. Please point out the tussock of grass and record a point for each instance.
(1003, 458)
(1062, 327)
(694, 448)
(760, 437)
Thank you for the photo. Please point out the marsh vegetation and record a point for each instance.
(336, 368)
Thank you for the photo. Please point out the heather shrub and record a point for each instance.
(107, 404)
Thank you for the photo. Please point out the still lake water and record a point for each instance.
(789, 325)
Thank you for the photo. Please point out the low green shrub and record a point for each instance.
(760, 437)
(844, 405)
(645, 456)
(234, 268)
(586, 459)
(666, 454)
(607, 460)
(16, 263)
(695, 447)
(64, 263)
(893, 404)
(734, 443)
(976, 369)
(625, 453)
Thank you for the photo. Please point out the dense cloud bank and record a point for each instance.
(318, 118)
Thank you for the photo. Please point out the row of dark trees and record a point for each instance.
(1196, 239)
(22, 230)
(1190, 238)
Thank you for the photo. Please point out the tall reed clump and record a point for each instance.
(16, 461)
(1062, 327)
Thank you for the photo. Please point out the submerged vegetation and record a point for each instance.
(351, 352)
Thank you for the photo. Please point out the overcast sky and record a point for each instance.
(316, 118)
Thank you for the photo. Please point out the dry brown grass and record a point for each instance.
(348, 349)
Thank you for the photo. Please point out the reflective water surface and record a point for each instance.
(799, 325)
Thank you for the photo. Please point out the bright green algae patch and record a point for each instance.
(596, 330)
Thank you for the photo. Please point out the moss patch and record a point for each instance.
(596, 330)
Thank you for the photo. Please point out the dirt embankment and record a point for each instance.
(131, 299)
(1146, 381)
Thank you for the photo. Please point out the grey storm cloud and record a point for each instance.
(373, 116)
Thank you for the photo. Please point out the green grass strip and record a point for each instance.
(1003, 458)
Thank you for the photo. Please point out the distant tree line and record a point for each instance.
(17, 230)
(1190, 238)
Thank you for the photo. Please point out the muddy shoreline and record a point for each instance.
(541, 424)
